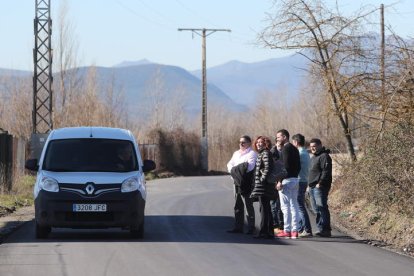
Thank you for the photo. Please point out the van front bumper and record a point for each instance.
(122, 210)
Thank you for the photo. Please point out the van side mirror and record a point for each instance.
(148, 166)
(31, 164)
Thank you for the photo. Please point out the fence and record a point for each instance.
(20, 154)
(149, 150)
(12, 158)
(6, 161)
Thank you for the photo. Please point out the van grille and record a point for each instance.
(89, 217)
(89, 189)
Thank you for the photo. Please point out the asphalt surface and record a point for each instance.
(185, 234)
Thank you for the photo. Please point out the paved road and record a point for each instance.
(185, 235)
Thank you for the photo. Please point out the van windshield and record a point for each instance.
(90, 155)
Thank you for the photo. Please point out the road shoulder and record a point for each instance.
(13, 221)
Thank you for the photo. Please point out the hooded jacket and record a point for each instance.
(320, 169)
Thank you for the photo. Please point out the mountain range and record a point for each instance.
(233, 85)
(242, 81)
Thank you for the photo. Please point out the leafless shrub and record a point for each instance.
(385, 174)
(93, 104)
(179, 151)
(16, 95)
(224, 129)
(165, 108)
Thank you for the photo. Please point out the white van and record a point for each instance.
(90, 177)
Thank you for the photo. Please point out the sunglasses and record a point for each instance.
(243, 142)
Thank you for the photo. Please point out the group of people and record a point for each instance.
(277, 177)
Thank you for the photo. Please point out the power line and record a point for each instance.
(195, 13)
(134, 12)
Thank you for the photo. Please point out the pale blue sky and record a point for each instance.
(112, 31)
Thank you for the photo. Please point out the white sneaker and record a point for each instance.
(305, 234)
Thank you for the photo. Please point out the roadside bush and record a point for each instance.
(384, 175)
(179, 151)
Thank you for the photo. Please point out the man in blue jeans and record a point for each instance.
(289, 186)
(320, 180)
(304, 225)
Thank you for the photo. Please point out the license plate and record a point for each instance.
(89, 208)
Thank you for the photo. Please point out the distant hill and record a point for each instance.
(133, 63)
(14, 73)
(138, 82)
(233, 85)
(241, 81)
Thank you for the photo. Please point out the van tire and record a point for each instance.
(137, 232)
(42, 231)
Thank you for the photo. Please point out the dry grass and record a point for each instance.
(374, 197)
(20, 195)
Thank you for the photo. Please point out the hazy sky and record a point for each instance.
(111, 31)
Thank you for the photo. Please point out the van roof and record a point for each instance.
(91, 132)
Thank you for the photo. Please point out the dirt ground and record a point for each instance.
(11, 221)
(364, 221)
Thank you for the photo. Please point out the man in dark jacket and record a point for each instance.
(288, 188)
(320, 180)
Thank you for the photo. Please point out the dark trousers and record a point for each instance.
(241, 202)
(277, 213)
(266, 221)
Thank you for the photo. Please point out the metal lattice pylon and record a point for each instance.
(42, 78)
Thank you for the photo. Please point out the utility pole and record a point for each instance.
(204, 139)
(382, 59)
(42, 77)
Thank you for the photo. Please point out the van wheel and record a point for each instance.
(137, 232)
(42, 231)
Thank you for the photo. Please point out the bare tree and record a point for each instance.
(175, 116)
(165, 106)
(397, 104)
(331, 42)
(66, 53)
(155, 91)
(85, 107)
(114, 110)
(270, 112)
(224, 134)
(16, 96)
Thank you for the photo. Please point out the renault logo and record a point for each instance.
(89, 188)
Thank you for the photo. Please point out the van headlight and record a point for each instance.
(131, 184)
(49, 184)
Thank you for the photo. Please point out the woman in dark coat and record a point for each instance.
(263, 191)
